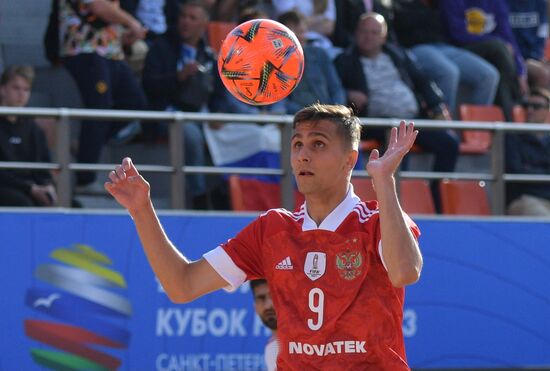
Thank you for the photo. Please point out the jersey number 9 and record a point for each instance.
(316, 305)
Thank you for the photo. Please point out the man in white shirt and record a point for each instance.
(265, 310)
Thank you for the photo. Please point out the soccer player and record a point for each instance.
(264, 308)
(336, 269)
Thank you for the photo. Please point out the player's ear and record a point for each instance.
(351, 160)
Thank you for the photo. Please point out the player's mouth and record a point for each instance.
(305, 173)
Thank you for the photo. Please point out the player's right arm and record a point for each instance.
(181, 279)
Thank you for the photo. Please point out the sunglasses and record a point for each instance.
(534, 106)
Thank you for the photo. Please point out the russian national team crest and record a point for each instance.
(349, 264)
(315, 265)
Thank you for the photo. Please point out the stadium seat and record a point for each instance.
(416, 196)
(478, 141)
(249, 194)
(217, 32)
(464, 197)
(363, 188)
(547, 50)
(369, 144)
(519, 114)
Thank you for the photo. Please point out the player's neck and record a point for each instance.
(319, 206)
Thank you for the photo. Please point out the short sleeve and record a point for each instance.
(240, 258)
(226, 268)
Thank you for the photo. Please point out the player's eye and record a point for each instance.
(297, 144)
(319, 144)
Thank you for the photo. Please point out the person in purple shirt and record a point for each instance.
(454, 69)
(482, 26)
(529, 22)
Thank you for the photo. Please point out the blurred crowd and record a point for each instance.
(386, 58)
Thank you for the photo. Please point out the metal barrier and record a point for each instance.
(64, 166)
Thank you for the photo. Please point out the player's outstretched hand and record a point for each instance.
(401, 141)
(129, 188)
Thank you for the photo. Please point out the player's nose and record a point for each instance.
(303, 154)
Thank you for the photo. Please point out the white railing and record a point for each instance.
(63, 165)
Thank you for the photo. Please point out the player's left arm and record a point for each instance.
(400, 249)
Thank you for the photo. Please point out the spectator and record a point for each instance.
(320, 81)
(91, 50)
(528, 153)
(347, 17)
(218, 10)
(22, 140)
(529, 23)
(180, 74)
(263, 306)
(320, 18)
(482, 27)
(150, 13)
(418, 27)
(381, 81)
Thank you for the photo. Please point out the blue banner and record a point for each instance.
(78, 293)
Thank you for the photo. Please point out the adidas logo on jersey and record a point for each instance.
(285, 264)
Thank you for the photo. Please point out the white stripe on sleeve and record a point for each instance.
(224, 265)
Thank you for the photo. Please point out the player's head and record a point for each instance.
(537, 105)
(296, 22)
(15, 86)
(324, 147)
(370, 34)
(192, 21)
(251, 13)
(263, 303)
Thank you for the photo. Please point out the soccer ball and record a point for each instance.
(261, 62)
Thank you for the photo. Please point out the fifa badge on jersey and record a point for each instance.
(349, 264)
(315, 265)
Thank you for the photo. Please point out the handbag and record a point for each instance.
(195, 91)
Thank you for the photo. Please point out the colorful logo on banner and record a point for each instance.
(82, 297)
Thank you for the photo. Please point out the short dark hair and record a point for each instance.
(544, 93)
(290, 17)
(23, 71)
(251, 13)
(195, 3)
(349, 125)
(256, 283)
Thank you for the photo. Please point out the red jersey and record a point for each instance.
(336, 307)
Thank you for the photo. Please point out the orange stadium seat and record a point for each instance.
(217, 32)
(416, 196)
(519, 114)
(363, 188)
(464, 197)
(368, 145)
(248, 194)
(478, 141)
(547, 50)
